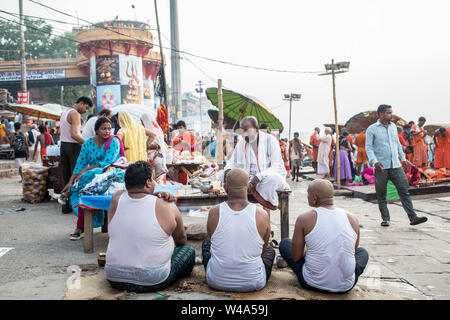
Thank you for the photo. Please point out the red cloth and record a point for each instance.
(187, 137)
(350, 140)
(330, 155)
(314, 141)
(442, 152)
(48, 139)
(417, 140)
(402, 140)
(162, 117)
(360, 141)
(108, 142)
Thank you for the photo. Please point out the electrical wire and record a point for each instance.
(181, 51)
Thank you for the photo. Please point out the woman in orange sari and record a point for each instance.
(442, 151)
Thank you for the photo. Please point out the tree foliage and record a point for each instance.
(40, 41)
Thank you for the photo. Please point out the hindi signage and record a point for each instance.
(34, 75)
(22, 97)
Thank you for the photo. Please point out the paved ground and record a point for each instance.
(405, 261)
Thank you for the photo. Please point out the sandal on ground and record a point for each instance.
(77, 236)
(274, 244)
(385, 224)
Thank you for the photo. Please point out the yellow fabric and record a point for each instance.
(133, 138)
(2, 130)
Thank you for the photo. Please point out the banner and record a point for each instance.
(131, 80)
(108, 96)
(34, 75)
(22, 97)
(107, 70)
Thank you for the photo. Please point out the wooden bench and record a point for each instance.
(191, 200)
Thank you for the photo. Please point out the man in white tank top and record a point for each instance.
(147, 248)
(71, 141)
(236, 254)
(332, 262)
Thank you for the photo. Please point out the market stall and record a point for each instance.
(51, 162)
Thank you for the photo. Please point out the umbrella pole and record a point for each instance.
(219, 143)
(241, 113)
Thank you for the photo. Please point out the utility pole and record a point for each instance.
(200, 91)
(163, 75)
(78, 19)
(175, 58)
(339, 67)
(336, 127)
(219, 143)
(62, 95)
(134, 10)
(23, 63)
(291, 97)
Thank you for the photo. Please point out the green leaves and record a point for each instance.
(40, 42)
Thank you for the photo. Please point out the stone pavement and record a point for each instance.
(405, 261)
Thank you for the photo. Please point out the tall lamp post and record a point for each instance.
(291, 97)
(199, 90)
(333, 69)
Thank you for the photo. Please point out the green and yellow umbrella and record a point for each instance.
(238, 106)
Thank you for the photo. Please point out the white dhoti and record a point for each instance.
(269, 186)
(37, 156)
(322, 168)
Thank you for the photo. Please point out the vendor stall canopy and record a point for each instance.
(238, 106)
(135, 111)
(365, 119)
(47, 111)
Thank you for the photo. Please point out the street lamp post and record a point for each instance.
(339, 67)
(291, 97)
(199, 90)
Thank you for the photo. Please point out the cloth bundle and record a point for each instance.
(101, 182)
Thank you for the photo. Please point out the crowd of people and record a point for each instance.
(29, 142)
(147, 249)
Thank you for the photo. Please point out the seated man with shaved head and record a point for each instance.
(236, 255)
(332, 261)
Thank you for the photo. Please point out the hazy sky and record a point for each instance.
(399, 51)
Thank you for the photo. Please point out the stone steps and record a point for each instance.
(9, 173)
(7, 164)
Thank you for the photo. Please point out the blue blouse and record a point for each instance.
(91, 154)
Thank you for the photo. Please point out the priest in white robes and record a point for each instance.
(259, 154)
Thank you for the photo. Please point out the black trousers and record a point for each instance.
(398, 178)
(69, 155)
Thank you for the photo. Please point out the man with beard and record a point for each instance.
(259, 154)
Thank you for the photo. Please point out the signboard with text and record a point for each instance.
(22, 97)
(34, 75)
